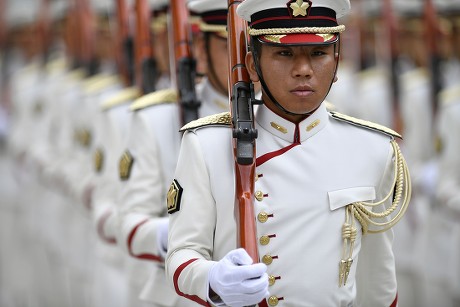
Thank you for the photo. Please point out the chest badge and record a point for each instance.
(125, 165)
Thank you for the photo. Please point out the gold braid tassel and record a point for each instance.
(349, 233)
(362, 211)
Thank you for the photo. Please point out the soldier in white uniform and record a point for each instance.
(320, 180)
(448, 195)
(147, 166)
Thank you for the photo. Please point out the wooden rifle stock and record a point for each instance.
(185, 62)
(86, 25)
(392, 32)
(44, 28)
(124, 52)
(432, 31)
(3, 26)
(244, 133)
(146, 71)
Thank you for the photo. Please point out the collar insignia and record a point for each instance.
(299, 7)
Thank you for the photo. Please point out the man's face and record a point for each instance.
(161, 50)
(218, 58)
(298, 77)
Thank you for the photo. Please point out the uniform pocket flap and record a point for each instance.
(343, 197)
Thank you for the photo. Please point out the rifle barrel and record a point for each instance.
(244, 133)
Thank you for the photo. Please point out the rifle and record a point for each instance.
(391, 27)
(244, 133)
(185, 63)
(85, 22)
(125, 52)
(3, 26)
(44, 28)
(432, 31)
(146, 72)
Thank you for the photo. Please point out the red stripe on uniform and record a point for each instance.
(264, 158)
(141, 256)
(395, 302)
(100, 227)
(194, 298)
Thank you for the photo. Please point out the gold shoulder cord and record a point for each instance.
(362, 211)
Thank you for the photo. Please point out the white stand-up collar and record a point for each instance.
(209, 96)
(286, 129)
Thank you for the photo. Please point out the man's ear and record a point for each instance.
(251, 67)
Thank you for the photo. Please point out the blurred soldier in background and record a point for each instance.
(152, 146)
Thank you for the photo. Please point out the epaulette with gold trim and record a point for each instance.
(77, 74)
(449, 95)
(155, 98)
(99, 82)
(120, 98)
(223, 118)
(56, 64)
(329, 106)
(365, 124)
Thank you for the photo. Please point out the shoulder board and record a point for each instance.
(99, 83)
(122, 97)
(155, 98)
(56, 64)
(416, 73)
(449, 95)
(371, 73)
(211, 120)
(77, 74)
(329, 106)
(365, 124)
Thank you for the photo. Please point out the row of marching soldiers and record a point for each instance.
(90, 142)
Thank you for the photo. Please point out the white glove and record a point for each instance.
(162, 237)
(237, 281)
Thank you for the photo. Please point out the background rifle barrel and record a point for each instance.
(184, 61)
(146, 71)
(391, 27)
(432, 32)
(124, 44)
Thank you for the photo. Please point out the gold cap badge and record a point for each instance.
(299, 7)
(174, 197)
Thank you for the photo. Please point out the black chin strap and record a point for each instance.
(269, 94)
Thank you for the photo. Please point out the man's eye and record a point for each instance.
(318, 53)
(285, 53)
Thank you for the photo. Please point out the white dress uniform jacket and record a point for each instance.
(154, 144)
(306, 174)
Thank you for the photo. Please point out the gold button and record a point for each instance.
(259, 195)
(262, 217)
(264, 240)
(267, 259)
(271, 280)
(272, 300)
